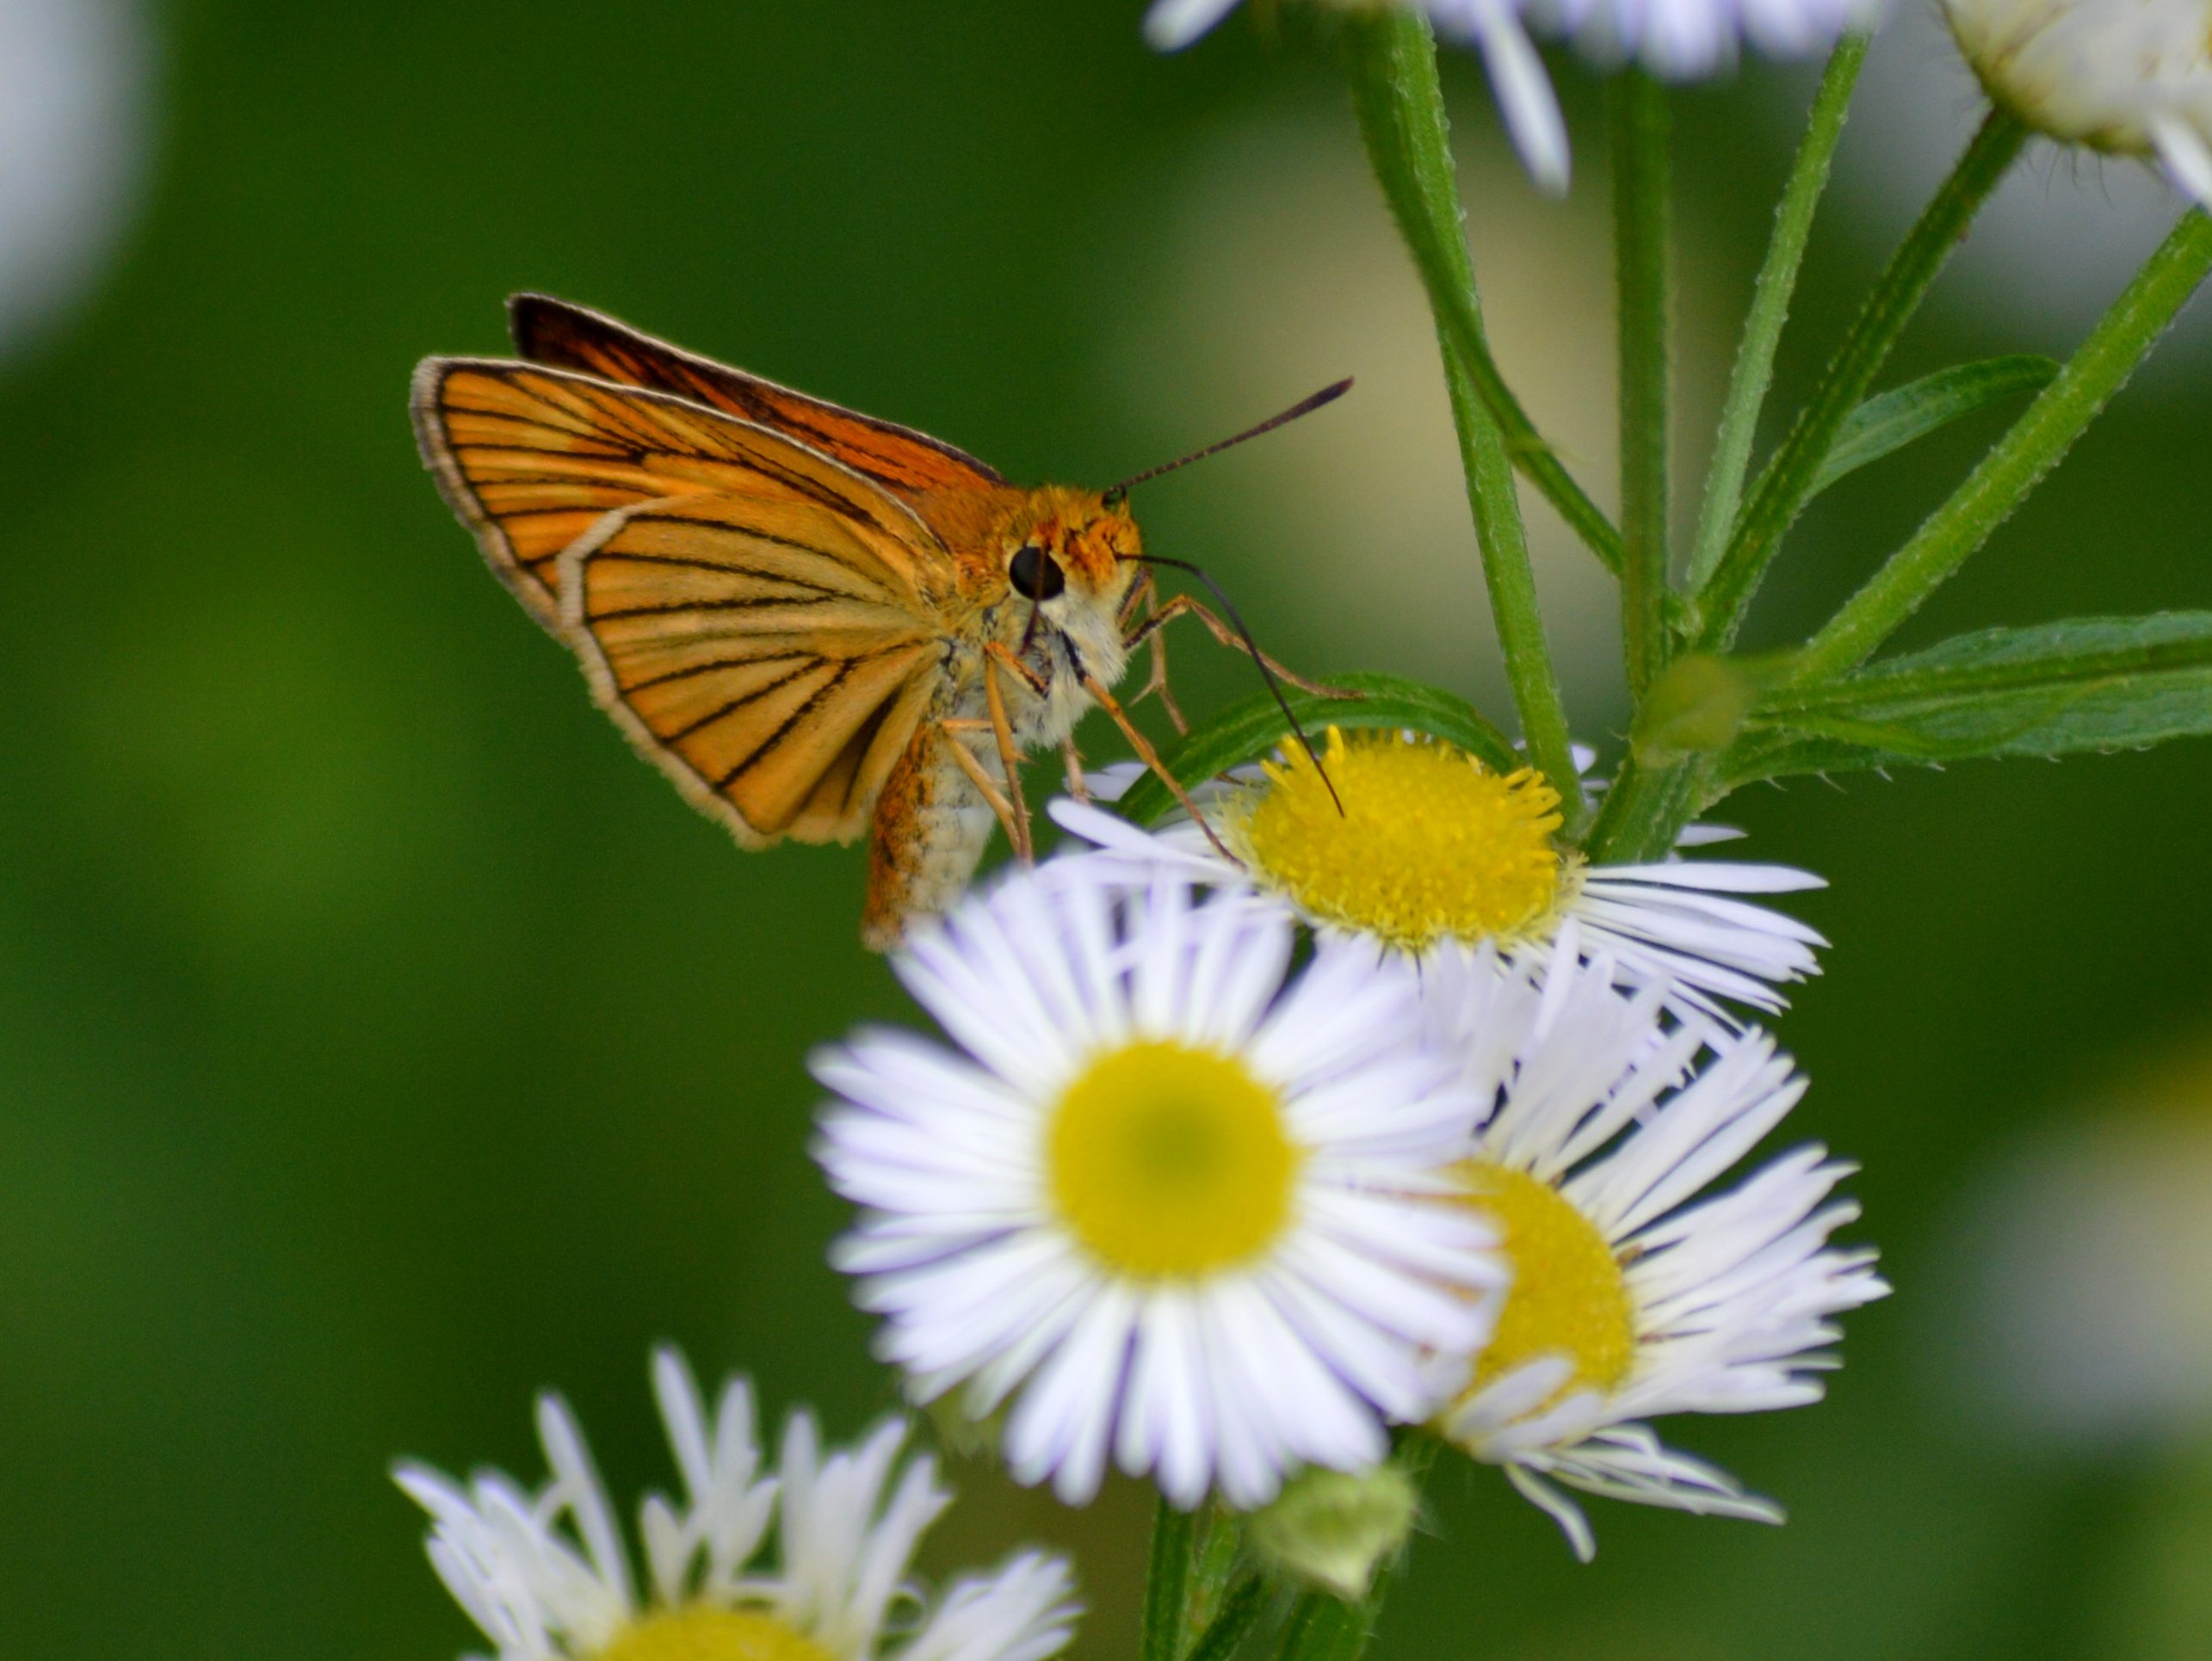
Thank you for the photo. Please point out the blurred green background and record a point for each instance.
(380, 1042)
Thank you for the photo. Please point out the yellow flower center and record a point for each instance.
(1568, 1296)
(1169, 1162)
(705, 1634)
(1430, 844)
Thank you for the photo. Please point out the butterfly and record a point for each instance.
(817, 623)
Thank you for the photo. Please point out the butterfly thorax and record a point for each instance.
(1045, 574)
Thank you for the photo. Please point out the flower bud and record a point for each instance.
(1333, 1530)
(2129, 77)
(1699, 705)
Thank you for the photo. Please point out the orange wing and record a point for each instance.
(761, 620)
(532, 458)
(768, 654)
(908, 463)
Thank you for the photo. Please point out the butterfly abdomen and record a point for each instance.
(932, 827)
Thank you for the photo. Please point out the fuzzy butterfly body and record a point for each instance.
(816, 623)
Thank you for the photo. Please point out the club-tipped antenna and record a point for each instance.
(1305, 407)
(1252, 646)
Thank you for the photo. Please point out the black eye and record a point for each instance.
(1036, 574)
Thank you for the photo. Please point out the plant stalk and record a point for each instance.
(1391, 62)
(1637, 124)
(1167, 1581)
(1644, 809)
(1187, 1585)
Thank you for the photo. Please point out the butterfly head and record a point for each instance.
(1073, 555)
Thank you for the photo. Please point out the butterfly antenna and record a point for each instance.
(1251, 645)
(1304, 406)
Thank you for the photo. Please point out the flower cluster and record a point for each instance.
(546, 1577)
(1173, 1200)
(1354, 1107)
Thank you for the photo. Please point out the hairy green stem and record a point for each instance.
(1239, 1612)
(1391, 61)
(1393, 64)
(1220, 1548)
(1175, 1539)
(1787, 483)
(1645, 811)
(2037, 443)
(1642, 237)
(1188, 1586)
(1771, 297)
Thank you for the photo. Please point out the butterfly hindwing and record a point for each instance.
(769, 654)
(908, 463)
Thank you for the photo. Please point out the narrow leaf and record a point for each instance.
(1883, 425)
(1253, 726)
(2093, 683)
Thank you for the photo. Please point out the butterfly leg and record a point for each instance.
(1015, 822)
(1184, 605)
(1001, 730)
(1072, 762)
(1150, 757)
(1146, 593)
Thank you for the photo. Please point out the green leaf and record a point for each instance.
(2093, 683)
(1882, 425)
(1781, 494)
(1253, 726)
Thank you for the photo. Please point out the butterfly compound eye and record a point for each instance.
(1036, 574)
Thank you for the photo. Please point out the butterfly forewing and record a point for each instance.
(769, 653)
(534, 458)
(757, 616)
(909, 463)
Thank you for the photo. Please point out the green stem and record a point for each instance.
(1220, 1547)
(1240, 1611)
(1787, 483)
(1325, 1628)
(2035, 444)
(1188, 1586)
(1394, 89)
(1637, 122)
(1393, 64)
(1771, 297)
(1391, 58)
(1645, 811)
(1174, 1537)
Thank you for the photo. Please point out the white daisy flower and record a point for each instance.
(1680, 39)
(547, 1577)
(1525, 100)
(1690, 39)
(1184, 1214)
(2131, 77)
(1631, 1296)
(1433, 853)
